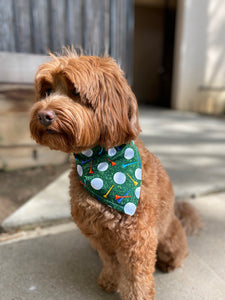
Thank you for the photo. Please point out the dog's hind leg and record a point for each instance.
(172, 248)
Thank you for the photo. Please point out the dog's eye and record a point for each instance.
(48, 92)
(75, 92)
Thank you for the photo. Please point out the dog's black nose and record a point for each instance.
(46, 117)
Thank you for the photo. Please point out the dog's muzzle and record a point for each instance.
(46, 117)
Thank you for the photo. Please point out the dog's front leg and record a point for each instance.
(110, 274)
(137, 265)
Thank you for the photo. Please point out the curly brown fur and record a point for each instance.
(189, 217)
(92, 104)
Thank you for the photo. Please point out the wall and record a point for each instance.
(199, 77)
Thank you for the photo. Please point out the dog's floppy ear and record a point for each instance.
(43, 80)
(117, 109)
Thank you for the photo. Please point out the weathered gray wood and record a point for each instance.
(7, 37)
(105, 27)
(91, 23)
(121, 26)
(40, 26)
(113, 20)
(122, 33)
(74, 21)
(57, 24)
(98, 26)
(129, 43)
(22, 25)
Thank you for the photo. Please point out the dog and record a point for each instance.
(85, 106)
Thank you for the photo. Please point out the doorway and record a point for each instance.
(154, 40)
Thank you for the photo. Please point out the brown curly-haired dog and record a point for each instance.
(84, 101)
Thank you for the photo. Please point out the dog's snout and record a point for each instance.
(46, 117)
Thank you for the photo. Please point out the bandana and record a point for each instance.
(112, 176)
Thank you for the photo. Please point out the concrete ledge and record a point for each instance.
(20, 67)
(49, 206)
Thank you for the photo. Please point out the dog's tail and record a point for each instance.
(189, 217)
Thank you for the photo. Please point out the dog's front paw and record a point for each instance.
(107, 282)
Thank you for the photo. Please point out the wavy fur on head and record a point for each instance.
(103, 101)
(83, 101)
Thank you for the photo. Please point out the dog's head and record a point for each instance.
(83, 101)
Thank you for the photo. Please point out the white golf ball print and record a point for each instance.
(129, 153)
(97, 183)
(79, 170)
(103, 166)
(119, 178)
(137, 192)
(87, 153)
(112, 152)
(138, 173)
(130, 208)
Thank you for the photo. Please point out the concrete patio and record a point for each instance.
(58, 263)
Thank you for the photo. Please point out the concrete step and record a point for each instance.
(50, 206)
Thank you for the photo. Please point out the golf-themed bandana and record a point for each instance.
(112, 176)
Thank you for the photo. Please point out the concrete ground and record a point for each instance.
(58, 263)
(191, 148)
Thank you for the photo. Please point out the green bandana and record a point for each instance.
(112, 176)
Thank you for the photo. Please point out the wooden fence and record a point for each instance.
(98, 26)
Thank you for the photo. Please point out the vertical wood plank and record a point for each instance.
(22, 26)
(120, 12)
(92, 25)
(105, 27)
(57, 15)
(112, 45)
(99, 26)
(130, 35)
(7, 40)
(40, 29)
(116, 11)
(74, 23)
(123, 50)
(122, 34)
